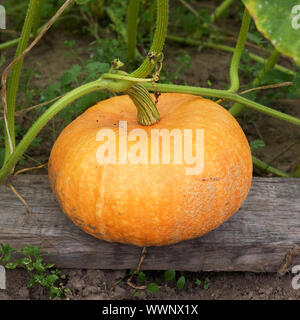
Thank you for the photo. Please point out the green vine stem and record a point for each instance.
(37, 19)
(14, 42)
(225, 48)
(9, 44)
(226, 95)
(132, 23)
(158, 41)
(13, 81)
(273, 59)
(121, 86)
(220, 9)
(234, 67)
(271, 62)
(265, 167)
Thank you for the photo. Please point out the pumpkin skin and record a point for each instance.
(151, 204)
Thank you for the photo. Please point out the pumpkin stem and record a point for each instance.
(147, 112)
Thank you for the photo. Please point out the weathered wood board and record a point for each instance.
(257, 238)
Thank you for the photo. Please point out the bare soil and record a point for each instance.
(111, 285)
(282, 150)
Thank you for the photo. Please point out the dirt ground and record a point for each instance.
(282, 150)
(111, 285)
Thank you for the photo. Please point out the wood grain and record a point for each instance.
(257, 238)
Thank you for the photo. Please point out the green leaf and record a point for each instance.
(141, 277)
(26, 250)
(71, 76)
(170, 275)
(11, 265)
(198, 282)
(36, 251)
(25, 261)
(6, 248)
(5, 252)
(97, 68)
(31, 283)
(51, 92)
(131, 272)
(55, 292)
(206, 284)
(38, 266)
(51, 278)
(294, 90)
(152, 287)
(256, 144)
(256, 38)
(181, 282)
(278, 21)
(274, 76)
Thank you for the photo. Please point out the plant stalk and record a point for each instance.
(234, 67)
(158, 40)
(271, 62)
(220, 10)
(13, 81)
(132, 23)
(226, 95)
(265, 167)
(37, 20)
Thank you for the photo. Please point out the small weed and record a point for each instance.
(198, 282)
(170, 275)
(41, 273)
(152, 288)
(180, 283)
(256, 144)
(141, 277)
(205, 283)
(136, 294)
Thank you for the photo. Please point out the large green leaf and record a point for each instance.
(279, 21)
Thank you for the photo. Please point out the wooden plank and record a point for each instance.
(257, 238)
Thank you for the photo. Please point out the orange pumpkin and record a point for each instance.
(147, 204)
